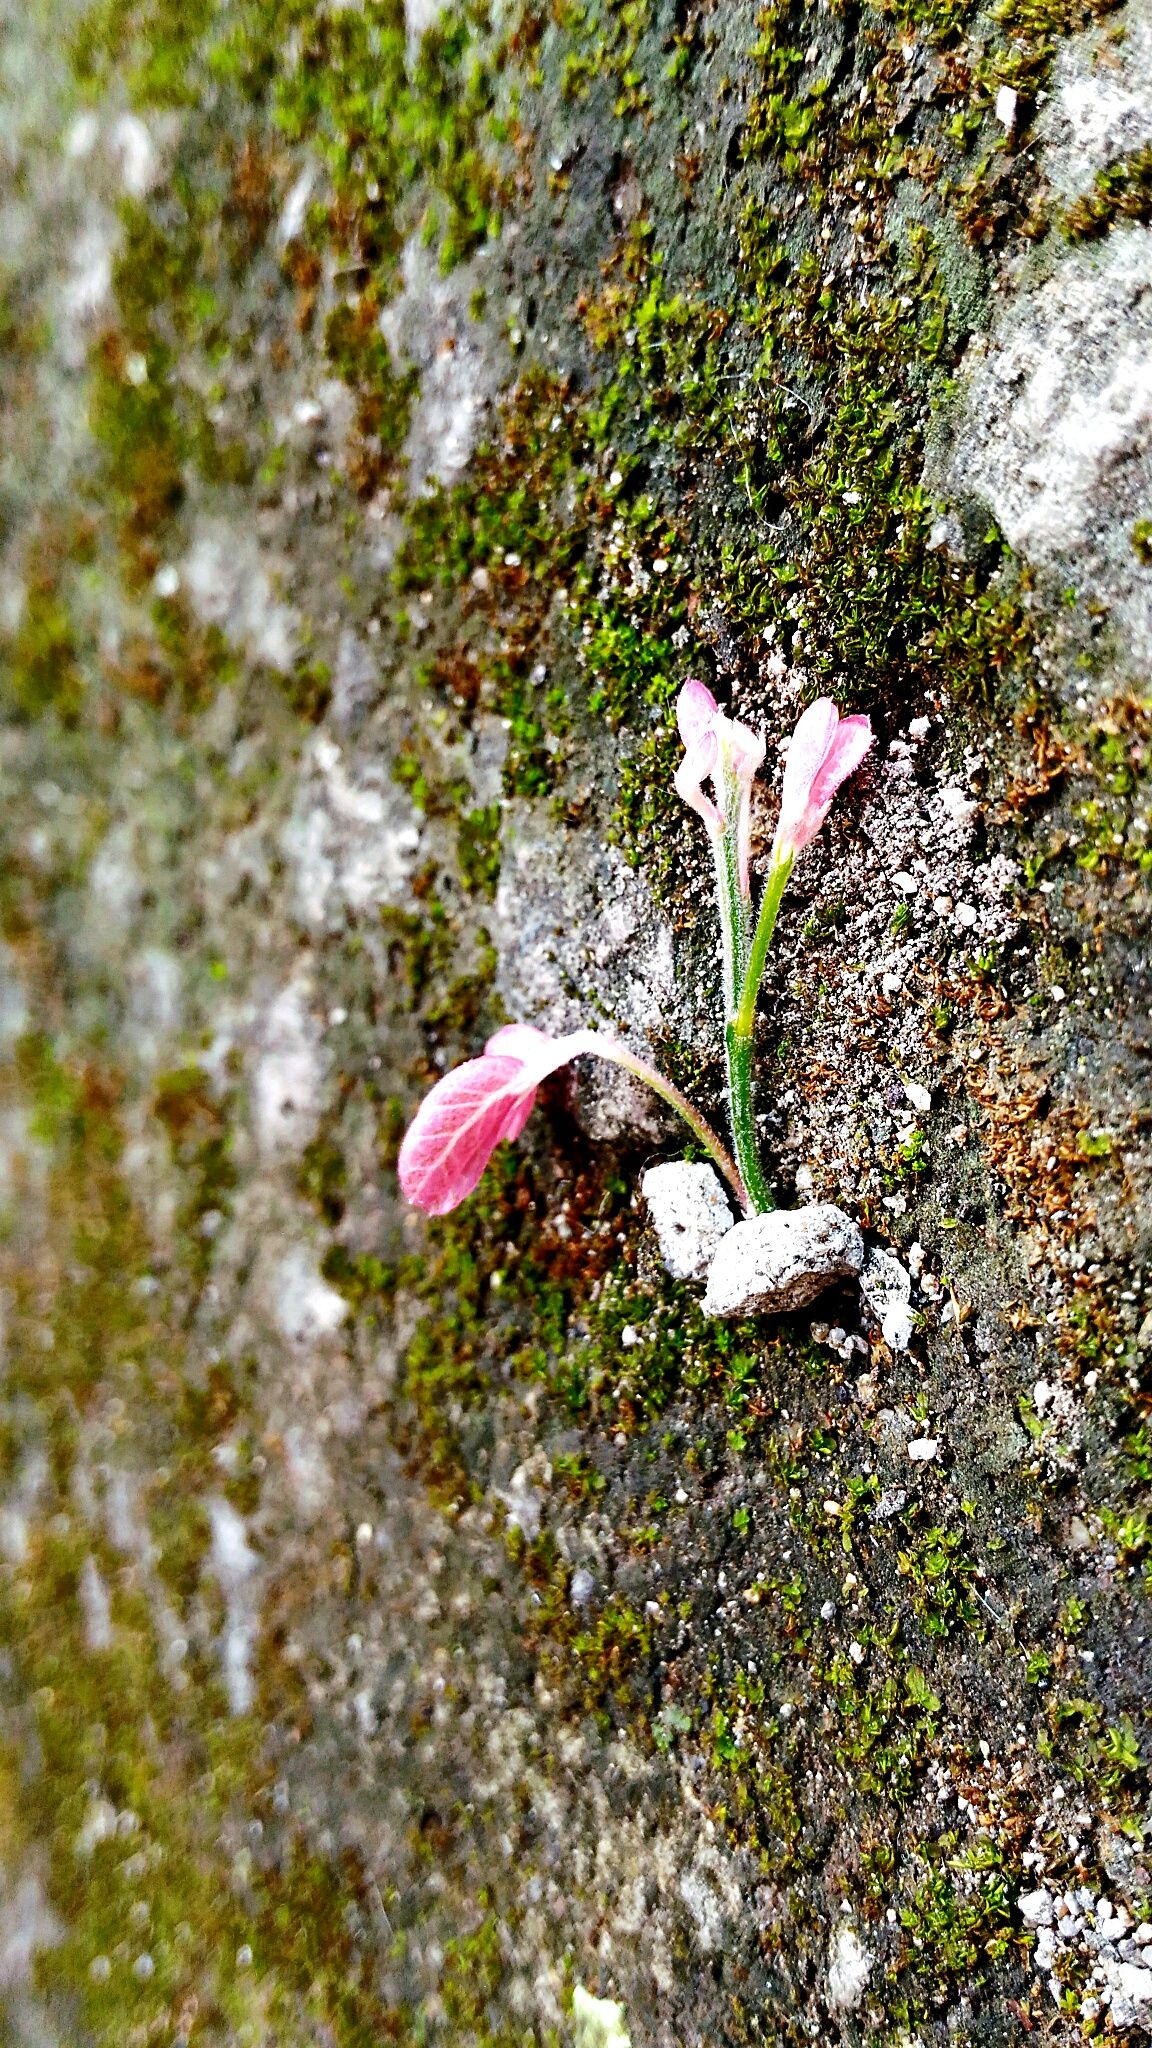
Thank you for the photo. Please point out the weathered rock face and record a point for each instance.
(1056, 429)
(577, 935)
(1097, 111)
(446, 1633)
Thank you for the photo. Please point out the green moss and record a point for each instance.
(474, 1969)
(939, 1571)
(385, 124)
(604, 38)
(952, 1926)
(479, 849)
(111, 1725)
(1121, 191)
(198, 1120)
(42, 669)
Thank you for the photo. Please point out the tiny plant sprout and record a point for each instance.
(475, 1107)
(823, 751)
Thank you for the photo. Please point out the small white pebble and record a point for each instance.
(919, 1096)
(1056, 992)
(82, 136)
(891, 984)
(967, 914)
(906, 883)
(826, 1613)
(960, 808)
(143, 1968)
(923, 1448)
(856, 1651)
(629, 1336)
(1006, 106)
(166, 581)
(364, 1534)
(918, 728)
(942, 905)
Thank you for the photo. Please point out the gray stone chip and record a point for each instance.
(768, 1264)
(690, 1214)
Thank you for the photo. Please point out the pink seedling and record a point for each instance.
(825, 749)
(474, 1108)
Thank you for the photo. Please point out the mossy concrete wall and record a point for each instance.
(406, 1624)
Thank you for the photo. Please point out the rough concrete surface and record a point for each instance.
(446, 1632)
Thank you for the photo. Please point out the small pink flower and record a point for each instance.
(715, 748)
(824, 751)
(471, 1110)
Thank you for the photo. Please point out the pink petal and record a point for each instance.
(852, 740)
(699, 761)
(744, 748)
(824, 751)
(807, 750)
(696, 708)
(458, 1127)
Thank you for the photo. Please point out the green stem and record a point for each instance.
(609, 1049)
(734, 906)
(774, 889)
(738, 1033)
(738, 1056)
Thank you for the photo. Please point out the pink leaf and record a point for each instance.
(458, 1127)
(474, 1108)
